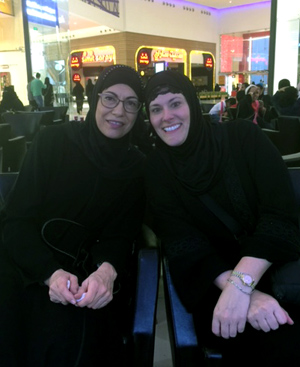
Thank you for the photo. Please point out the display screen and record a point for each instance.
(159, 66)
(42, 12)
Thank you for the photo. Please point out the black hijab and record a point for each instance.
(198, 163)
(115, 158)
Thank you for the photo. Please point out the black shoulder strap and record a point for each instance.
(233, 225)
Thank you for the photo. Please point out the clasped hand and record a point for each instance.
(235, 308)
(95, 292)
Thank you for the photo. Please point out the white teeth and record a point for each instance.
(115, 123)
(171, 128)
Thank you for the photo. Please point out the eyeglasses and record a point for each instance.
(130, 104)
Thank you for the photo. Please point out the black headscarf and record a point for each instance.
(199, 162)
(115, 158)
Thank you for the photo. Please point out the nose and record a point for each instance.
(167, 114)
(119, 109)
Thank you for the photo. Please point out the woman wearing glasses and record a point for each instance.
(68, 233)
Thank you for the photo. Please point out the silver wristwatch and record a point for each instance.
(245, 278)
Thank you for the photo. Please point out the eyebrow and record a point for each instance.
(113, 93)
(170, 100)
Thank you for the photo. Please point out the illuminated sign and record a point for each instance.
(6, 7)
(42, 12)
(168, 54)
(75, 62)
(209, 63)
(98, 55)
(76, 78)
(144, 58)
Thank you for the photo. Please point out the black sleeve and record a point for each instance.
(21, 226)
(276, 236)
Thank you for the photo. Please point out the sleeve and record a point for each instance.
(276, 236)
(193, 261)
(20, 233)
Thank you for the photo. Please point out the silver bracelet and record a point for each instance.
(240, 288)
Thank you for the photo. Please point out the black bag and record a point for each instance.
(285, 279)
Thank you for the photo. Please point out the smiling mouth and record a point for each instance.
(115, 123)
(171, 128)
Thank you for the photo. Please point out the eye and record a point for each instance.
(108, 97)
(132, 102)
(175, 104)
(155, 110)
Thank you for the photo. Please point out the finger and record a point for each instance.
(264, 326)
(225, 330)
(216, 327)
(241, 327)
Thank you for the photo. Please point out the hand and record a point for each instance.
(230, 313)
(265, 313)
(97, 290)
(62, 287)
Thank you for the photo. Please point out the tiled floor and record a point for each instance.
(162, 350)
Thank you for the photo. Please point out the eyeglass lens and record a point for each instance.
(130, 104)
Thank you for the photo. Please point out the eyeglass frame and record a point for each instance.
(119, 100)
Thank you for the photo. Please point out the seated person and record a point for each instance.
(10, 100)
(222, 279)
(68, 233)
(221, 110)
(287, 102)
(250, 107)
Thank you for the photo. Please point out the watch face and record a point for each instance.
(247, 279)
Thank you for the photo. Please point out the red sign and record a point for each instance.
(76, 78)
(209, 63)
(144, 58)
(75, 62)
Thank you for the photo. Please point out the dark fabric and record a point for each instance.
(48, 93)
(257, 192)
(61, 179)
(183, 160)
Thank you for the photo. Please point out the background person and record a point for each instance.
(48, 93)
(238, 168)
(36, 88)
(68, 234)
(78, 92)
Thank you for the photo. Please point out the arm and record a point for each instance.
(276, 238)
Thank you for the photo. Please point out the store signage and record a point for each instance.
(75, 62)
(42, 12)
(143, 58)
(6, 7)
(97, 55)
(76, 78)
(168, 54)
(209, 64)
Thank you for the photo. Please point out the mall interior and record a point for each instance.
(212, 42)
(251, 41)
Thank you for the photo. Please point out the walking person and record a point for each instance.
(48, 93)
(78, 93)
(36, 88)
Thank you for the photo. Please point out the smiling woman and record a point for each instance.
(211, 171)
(68, 235)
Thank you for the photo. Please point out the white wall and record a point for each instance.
(172, 20)
(252, 17)
(287, 42)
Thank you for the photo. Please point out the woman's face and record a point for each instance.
(254, 92)
(115, 122)
(170, 118)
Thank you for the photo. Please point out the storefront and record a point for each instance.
(244, 57)
(88, 63)
(151, 59)
(202, 70)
